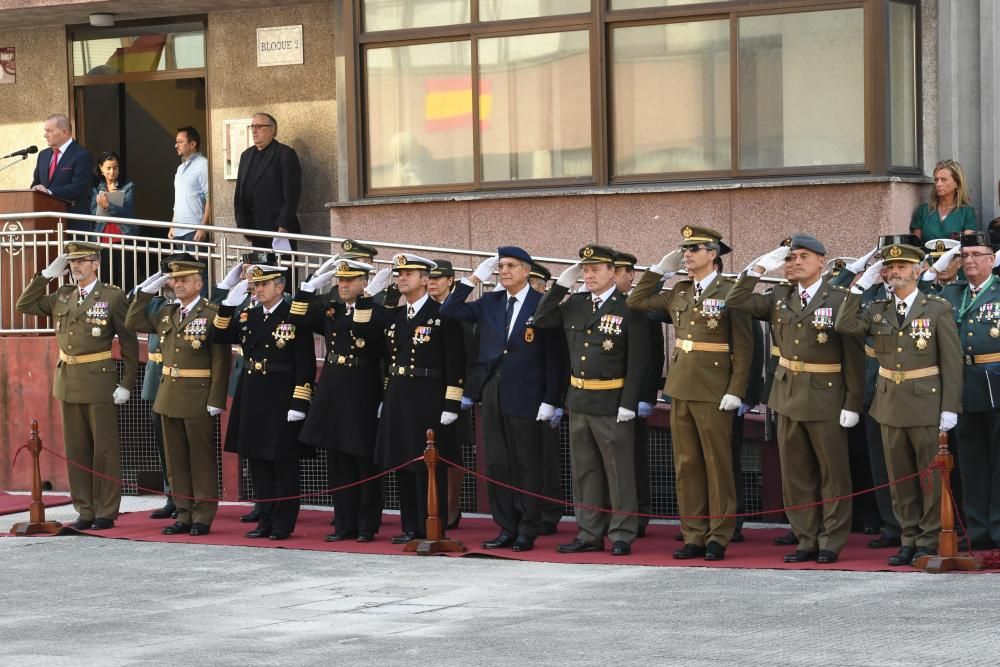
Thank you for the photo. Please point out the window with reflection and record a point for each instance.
(903, 85)
(501, 10)
(402, 14)
(642, 4)
(131, 53)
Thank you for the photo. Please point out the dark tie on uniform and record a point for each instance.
(53, 163)
(697, 291)
(805, 298)
(509, 317)
(974, 292)
(80, 299)
(184, 313)
(596, 303)
(410, 312)
(900, 312)
(350, 311)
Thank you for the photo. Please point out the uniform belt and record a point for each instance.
(403, 371)
(342, 360)
(264, 365)
(971, 359)
(870, 351)
(187, 372)
(156, 357)
(83, 358)
(695, 346)
(580, 383)
(775, 351)
(803, 367)
(900, 376)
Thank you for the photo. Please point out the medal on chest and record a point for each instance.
(711, 310)
(991, 313)
(611, 324)
(822, 321)
(422, 334)
(920, 331)
(97, 314)
(195, 332)
(283, 333)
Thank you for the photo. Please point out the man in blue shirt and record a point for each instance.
(191, 205)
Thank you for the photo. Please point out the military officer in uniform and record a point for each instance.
(943, 254)
(344, 415)
(919, 389)
(273, 395)
(708, 373)
(87, 314)
(426, 362)
(609, 360)
(192, 390)
(976, 304)
(817, 393)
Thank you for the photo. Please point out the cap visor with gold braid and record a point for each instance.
(79, 250)
(179, 269)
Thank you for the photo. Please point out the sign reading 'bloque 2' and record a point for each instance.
(281, 45)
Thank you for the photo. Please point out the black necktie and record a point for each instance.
(509, 317)
(900, 312)
(597, 303)
(410, 312)
(805, 299)
(697, 291)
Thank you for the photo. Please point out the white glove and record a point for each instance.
(625, 415)
(730, 402)
(379, 282)
(327, 265)
(486, 268)
(944, 261)
(858, 265)
(154, 283)
(948, 421)
(772, 260)
(569, 277)
(215, 412)
(669, 264)
(871, 276)
(156, 276)
(234, 276)
(57, 267)
(318, 281)
(121, 395)
(849, 419)
(237, 295)
(545, 412)
(448, 418)
(296, 416)
(645, 409)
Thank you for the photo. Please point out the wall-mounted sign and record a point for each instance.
(237, 138)
(7, 65)
(280, 45)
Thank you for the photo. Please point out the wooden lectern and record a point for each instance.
(20, 258)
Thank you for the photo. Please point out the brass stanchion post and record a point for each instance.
(436, 541)
(36, 513)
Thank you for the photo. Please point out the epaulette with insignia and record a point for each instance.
(211, 306)
(840, 288)
(935, 297)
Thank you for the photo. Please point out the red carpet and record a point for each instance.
(14, 504)
(654, 550)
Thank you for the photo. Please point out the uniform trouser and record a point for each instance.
(513, 448)
(552, 474)
(908, 450)
(979, 462)
(814, 467)
(602, 452)
(157, 424)
(90, 433)
(876, 458)
(864, 506)
(358, 508)
(643, 492)
(276, 479)
(737, 446)
(192, 467)
(413, 498)
(703, 463)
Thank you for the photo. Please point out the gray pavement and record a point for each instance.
(92, 601)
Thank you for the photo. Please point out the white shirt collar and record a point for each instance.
(268, 311)
(418, 304)
(909, 299)
(520, 296)
(191, 305)
(88, 289)
(604, 297)
(981, 285)
(812, 289)
(707, 280)
(62, 149)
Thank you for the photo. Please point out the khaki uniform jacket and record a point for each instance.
(915, 402)
(88, 328)
(698, 375)
(184, 346)
(807, 336)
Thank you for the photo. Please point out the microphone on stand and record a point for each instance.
(24, 152)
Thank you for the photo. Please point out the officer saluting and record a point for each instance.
(344, 416)
(192, 390)
(87, 316)
(272, 396)
(919, 388)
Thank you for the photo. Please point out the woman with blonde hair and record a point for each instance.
(949, 212)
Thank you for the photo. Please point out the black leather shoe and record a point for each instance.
(365, 536)
(452, 525)
(923, 551)
(548, 528)
(177, 529)
(523, 543)
(165, 512)
(199, 529)
(737, 536)
(826, 557)
(903, 557)
(501, 541)
(403, 538)
(341, 535)
(82, 524)
(259, 533)
(279, 535)
(253, 517)
(801, 556)
(785, 540)
(870, 529)
(102, 524)
(884, 541)
(578, 546)
(621, 548)
(715, 551)
(689, 551)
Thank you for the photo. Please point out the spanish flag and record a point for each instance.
(448, 104)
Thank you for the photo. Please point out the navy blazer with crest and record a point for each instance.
(72, 180)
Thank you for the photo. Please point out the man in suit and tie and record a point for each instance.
(521, 388)
(817, 392)
(65, 169)
(268, 185)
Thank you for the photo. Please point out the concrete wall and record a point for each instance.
(41, 90)
(301, 97)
